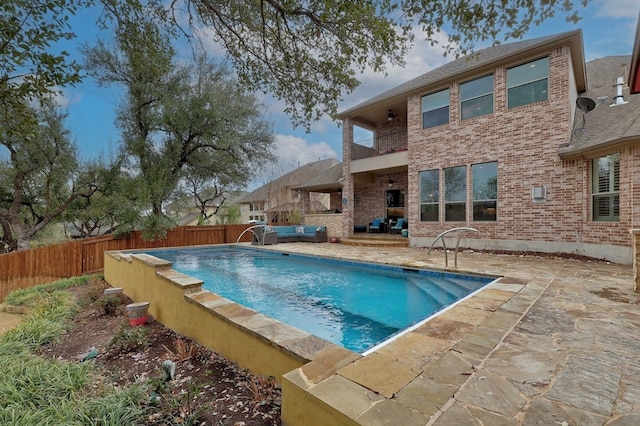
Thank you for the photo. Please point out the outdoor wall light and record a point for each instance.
(391, 115)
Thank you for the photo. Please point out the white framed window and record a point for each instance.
(605, 194)
(455, 194)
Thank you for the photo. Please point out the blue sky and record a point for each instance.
(608, 29)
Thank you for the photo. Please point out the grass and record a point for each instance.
(30, 296)
(38, 391)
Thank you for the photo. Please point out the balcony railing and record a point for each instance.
(380, 145)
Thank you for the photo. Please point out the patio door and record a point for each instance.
(395, 204)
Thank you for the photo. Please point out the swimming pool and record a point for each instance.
(355, 305)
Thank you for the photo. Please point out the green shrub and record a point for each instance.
(129, 339)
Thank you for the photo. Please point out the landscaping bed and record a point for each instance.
(206, 389)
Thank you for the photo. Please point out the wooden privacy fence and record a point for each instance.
(45, 264)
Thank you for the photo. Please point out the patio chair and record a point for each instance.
(377, 225)
(399, 226)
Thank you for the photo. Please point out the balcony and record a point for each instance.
(385, 144)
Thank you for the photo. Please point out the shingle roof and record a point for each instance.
(487, 58)
(289, 180)
(329, 180)
(605, 125)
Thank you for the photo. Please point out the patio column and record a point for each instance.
(635, 233)
(305, 202)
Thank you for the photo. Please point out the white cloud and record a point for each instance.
(298, 151)
(421, 58)
(618, 8)
(63, 100)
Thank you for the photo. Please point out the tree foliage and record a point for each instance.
(177, 120)
(112, 209)
(29, 64)
(40, 177)
(309, 53)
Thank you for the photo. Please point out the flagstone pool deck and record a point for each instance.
(554, 341)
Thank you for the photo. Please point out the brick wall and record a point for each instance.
(524, 141)
(333, 222)
(370, 200)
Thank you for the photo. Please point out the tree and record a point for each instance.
(207, 195)
(309, 53)
(29, 65)
(114, 207)
(177, 120)
(41, 177)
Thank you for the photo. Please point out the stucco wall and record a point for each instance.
(178, 301)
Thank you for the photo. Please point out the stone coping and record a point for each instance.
(415, 375)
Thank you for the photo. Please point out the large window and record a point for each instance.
(435, 109)
(606, 188)
(476, 97)
(528, 83)
(485, 190)
(455, 194)
(429, 195)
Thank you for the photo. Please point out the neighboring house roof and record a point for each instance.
(188, 218)
(471, 65)
(289, 180)
(327, 181)
(634, 73)
(605, 126)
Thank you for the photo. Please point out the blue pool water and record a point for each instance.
(355, 305)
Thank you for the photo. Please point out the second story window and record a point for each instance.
(476, 97)
(528, 83)
(435, 109)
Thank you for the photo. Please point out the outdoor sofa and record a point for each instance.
(294, 233)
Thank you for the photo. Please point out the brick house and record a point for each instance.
(517, 141)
